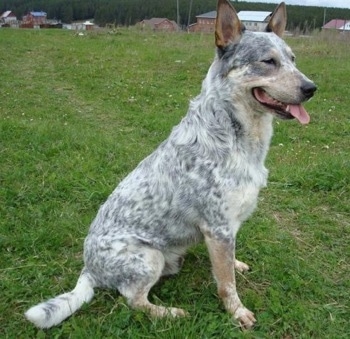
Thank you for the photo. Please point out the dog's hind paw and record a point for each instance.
(245, 317)
(177, 312)
(161, 311)
(241, 266)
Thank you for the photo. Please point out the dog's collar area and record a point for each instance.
(282, 110)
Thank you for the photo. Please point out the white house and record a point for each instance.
(8, 17)
(254, 20)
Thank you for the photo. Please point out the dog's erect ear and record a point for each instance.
(278, 20)
(228, 28)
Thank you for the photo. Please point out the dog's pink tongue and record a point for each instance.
(298, 112)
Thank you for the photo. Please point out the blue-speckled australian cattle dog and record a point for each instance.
(201, 183)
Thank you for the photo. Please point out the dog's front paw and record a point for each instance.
(245, 317)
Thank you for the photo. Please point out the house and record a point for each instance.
(8, 17)
(253, 20)
(89, 26)
(159, 24)
(337, 24)
(205, 23)
(35, 18)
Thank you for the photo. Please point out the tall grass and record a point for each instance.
(78, 113)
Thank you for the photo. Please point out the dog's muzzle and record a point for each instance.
(287, 110)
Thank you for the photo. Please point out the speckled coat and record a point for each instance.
(200, 183)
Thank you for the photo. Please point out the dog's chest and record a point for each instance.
(245, 165)
(242, 201)
(242, 178)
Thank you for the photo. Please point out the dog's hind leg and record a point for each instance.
(221, 254)
(241, 266)
(174, 259)
(141, 270)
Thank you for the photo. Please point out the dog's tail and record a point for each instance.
(55, 310)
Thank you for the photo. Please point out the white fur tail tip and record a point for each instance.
(54, 311)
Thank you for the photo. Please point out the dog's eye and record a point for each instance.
(270, 61)
(293, 58)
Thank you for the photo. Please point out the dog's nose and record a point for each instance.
(308, 89)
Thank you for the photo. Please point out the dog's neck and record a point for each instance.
(221, 131)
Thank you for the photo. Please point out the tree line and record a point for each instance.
(128, 12)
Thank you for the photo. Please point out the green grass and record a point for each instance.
(77, 113)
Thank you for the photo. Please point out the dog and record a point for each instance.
(201, 183)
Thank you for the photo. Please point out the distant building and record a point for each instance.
(337, 24)
(89, 26)
(80, 26)
(253, 20)
(35, 18)
(159, 24)
(8, 17)
(205, 23)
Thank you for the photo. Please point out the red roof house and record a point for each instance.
(35, 18)
(339, 24)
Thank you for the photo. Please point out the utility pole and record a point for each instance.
(189, 14)
(324, 16)
(178, 14)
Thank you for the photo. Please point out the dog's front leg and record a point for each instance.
(222, 258)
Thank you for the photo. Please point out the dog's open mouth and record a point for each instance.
(284, 110)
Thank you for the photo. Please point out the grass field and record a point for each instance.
(77, 113)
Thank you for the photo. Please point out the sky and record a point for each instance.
(318, 3)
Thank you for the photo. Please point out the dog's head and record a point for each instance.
(260, 65)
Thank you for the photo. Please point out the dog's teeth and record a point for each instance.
(287, 108)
